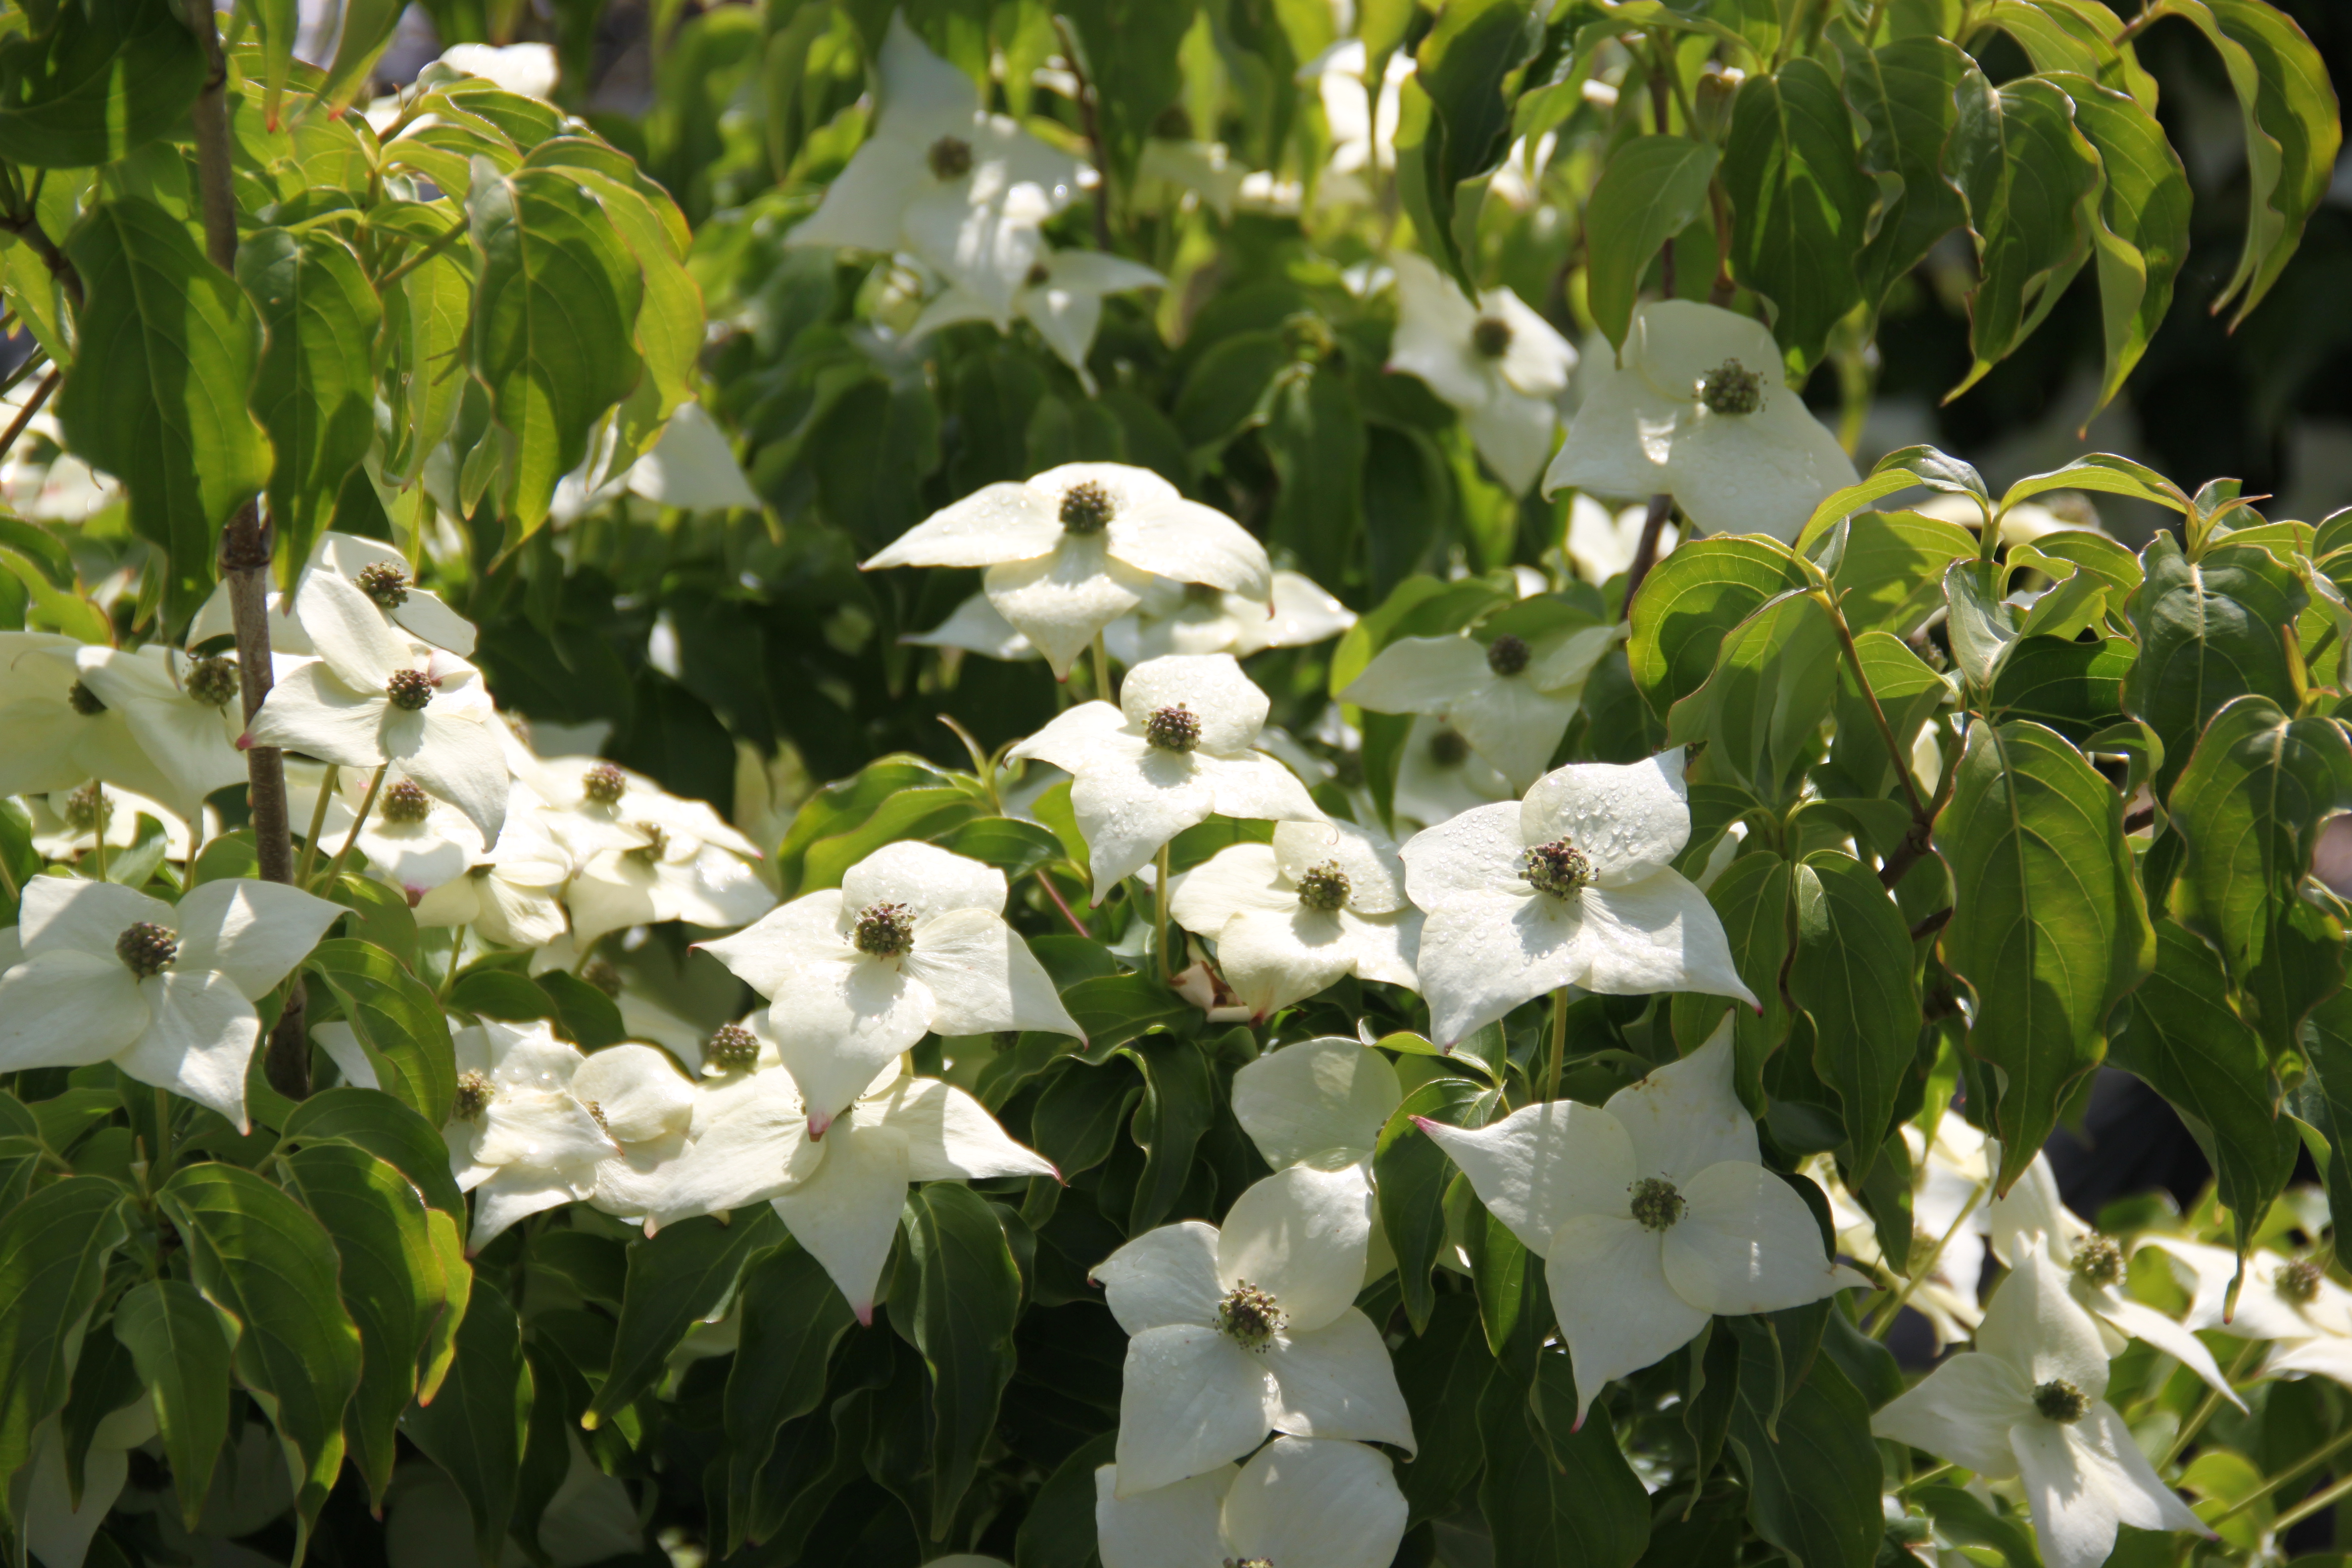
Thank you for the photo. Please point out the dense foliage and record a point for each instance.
(1143, 784)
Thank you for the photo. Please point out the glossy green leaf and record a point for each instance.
(1410, 1174)
(54, 1250)
(366, 1119)
(2328, 1040)
(2032, 181)
(2210, 631)
(1115, 1008)
(1078, 1119)
(181, 1348)
(398, 1023)
(474, 1428)
(424, 316)
(1179, 1099)
(2101, 471)
(1802, 206)
(1652, 189)
(1752, 897)
(1981, 625)
(2139, 235)
(1555, 1497)
(1691, 601)
(102, 79)
(1909, 693)
(791, 1319)
(676, 1279)
(1890, 576)
(967, 1300)
(1852, 973)
(1906, 92)
(316, 393)
(1812, 1466)
(1761, 710)
(1131, 54)
(2074, 688)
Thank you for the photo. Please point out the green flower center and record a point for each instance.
(1176, 729)
(409, 689)
(1491, 336)
(1086, 508)
(405, 802)
(145, 948)
(89, 808)
(1559, 868)
(731, 1048)
(1248, 1316)
(473, 1097)
(605, 784)
(1731, 388)
(950, 158)
(1037, 276)
(2298, 1282)
(213, 679)
(603, 977)
(1447, 749)
(385, 584)
(1324, 887)
(2099, 1261)
(885, 930)
(2060, 1401)
(1506, 655)
(84, 700)
(1656, 1205)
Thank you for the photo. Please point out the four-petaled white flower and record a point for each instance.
(1074, 548)
(1061, 295)
(641, 854)
(1510, 696)
(1323, 901)
(164, 992)
(1322, 1104)
(839, 1195)
(520, 1141)
(646, 1106)
(68, 822)
(1250, 1329)
(513, 895)
(1652, 1213)
(960, 188)
(2282, 1299)
(1177, 750)
(411, 840)
(150, 721)
(2030, 1402)
(373, 698)
(1499, 365)
(1191, 617)
(1572, 886)
(377, 570)
(1300, 1502)
(1697, 409)
(1439, 777)
(913, 942)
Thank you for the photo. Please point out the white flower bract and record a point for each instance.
(1501, 366)
(519, 1138)
(1300, 1502)
(1323, 901)
(1510, 697)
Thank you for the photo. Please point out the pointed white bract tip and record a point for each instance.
(865, 1310)
(817, 1126)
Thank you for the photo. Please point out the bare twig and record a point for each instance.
(24, 417)
(1090, 122)
(1645, 550)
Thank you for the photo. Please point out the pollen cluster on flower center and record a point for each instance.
(473, 1097)
(1037, 276)
(1731, 388)
(603, 977)
(1248, 1316)
(885, 930)
(213, 679)
(385, 584)
(2059, 1400)
(656, 845)
(145, 948)
(605, 784)
(84, 700)
(950, 158)
(1447, 749)
(1324, 887)
(2298, 1282)
(596, 1112)
(732, 1048)
(1559, 867)
(1656, 1205)
(405, 802)
(1506, 655)
(1086, 508)
(409, 689)
(88, 807)
(1491, 336)
(2099, 1261)
(1176, 729)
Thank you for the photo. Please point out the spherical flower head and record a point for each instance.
(885, 930)
(409, 689)
(950, 158)
(1559, 867)
(1086, 508)
(2060, 1401)
(2298, 1282)
(1491, 336)
(2099, 1261)
(1324, 887)
(1037, 276)
(384, 583)
(473, 1097)
(1447, 749)
(405, 802)
(146, 948)
(213, 679)
(1173, 729)
(85, 702)
(731, 1048)
(1731, 388)
(1248, 1316)
(89, 808)
(597, 972)
(1656, 1203)
(605, 784)
(657, 843)
(1506, 655)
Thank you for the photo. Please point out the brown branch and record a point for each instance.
(1645, 550)
(24, 417)
(1933, 924)
(2135, 821)
(1091, 124)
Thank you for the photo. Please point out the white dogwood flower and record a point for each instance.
(1250, 1329)
(2030, 1402)
(1073, 549)
(151, 720)
(1510, 696)
(411, 840)
(839, 1193)
(1300, 1502)
(1697, 407)
(377, 570)
(69, 823)
(526, 68)
(519, 1138)
(164, 992)
(1653, 1213)
(1572, 886)
(1601, 543)
(511, 896)
(1439, 777)
(974, 626)
(1952, 1179)
(1177, 750)
(913, 942)
(1497, 363)
(371, 698)
(962, 189)
(1061, 295)
(1321, 1102)
(2284, 1299)
(1191, 617)
(646, 1106)
(1325, 899)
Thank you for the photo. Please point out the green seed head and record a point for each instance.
(145, 948)
(2298, 1282)
(84, 700)
(1656, 1205)
(213, 679)
(1037, 276)
(2061, 1401)
(2099, 1261)
(1176, 729)
(1506, 655)
(1491, 336)
(1086, 508)
(409, 689)
(1731, 388)
(473, 1097)
(1248, 1316)
(950, 158)
(385, 584)
(405, 802)
(1559, 868)
(885, 930)
(605, 784)
(603, 977)
(1447, 749)
(731, 1048)
(1324, 887)
(88, 808)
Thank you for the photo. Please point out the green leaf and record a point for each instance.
(1436, 1372)
(584, 1015)
(1980, 626)
(910, 814)
(676, 1279)
(264, 1262)
(392, 1286)
(2249, 809)
(1076, 1120)
(102, 79)
(1652, 189)
(2074, 688)
(2328, 1041)
(1909, 693)
(367, 1119)
(1514, 1304)
(368, 26)
(424, 316)
(1752, 899)
(1115, 1008)
(967, 1300)
(1132, 55)
(1852, 975)
(2210, 630)
(2048, 926)
(1761, 710)
(1905, 91)
(2186, 1042)
(474, 1428)
(316, 393)
(1967, 1520)
(1179, 1099)
(2108, 474)
(502, 993)
(1058, 1530)
(1801, 206)
(1314, 436)
(1410, 1174)
(1556, 1498)
(1463, 61)
(1013, 846)
(791, 1318)
(168, 348)
(182, 1350)
(398, 1023)
(1813, 1469)
(1691, 601)
(54, 1250)
(554, 324)
(1891, 576)
(2139, 234)
(669, 322)
(2032, 181)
